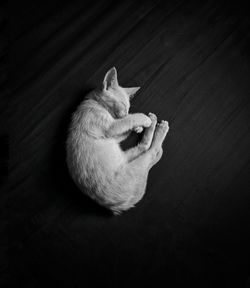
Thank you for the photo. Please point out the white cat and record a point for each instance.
(112, 177)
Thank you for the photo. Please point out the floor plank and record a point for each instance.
(192, 61)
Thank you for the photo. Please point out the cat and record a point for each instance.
(114, 178)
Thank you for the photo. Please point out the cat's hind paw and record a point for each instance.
(152, 116)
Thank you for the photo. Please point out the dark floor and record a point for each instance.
(192, 59)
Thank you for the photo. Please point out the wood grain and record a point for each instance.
(192, 62)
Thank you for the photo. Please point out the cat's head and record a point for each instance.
(116, 98)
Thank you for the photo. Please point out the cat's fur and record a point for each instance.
(112, 177)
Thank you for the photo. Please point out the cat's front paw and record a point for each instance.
(153, 117)
(138, 129)
(146, 121)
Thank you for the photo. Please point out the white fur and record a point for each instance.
(112, 177)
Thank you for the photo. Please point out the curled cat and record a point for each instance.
(114, 178)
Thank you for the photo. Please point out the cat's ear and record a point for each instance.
(110, 79)
(131, 91)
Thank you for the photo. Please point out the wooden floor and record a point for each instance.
(192, 60)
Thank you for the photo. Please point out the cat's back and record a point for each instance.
(90, 121)
(87, 145)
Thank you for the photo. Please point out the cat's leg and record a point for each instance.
(145, 143)
(160, 134)
(141, 165)
(154, 153)
(157, 157)
(123, 125)
(156, 145)
(136, 172)
(148, 134)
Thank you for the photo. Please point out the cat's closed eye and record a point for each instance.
(117, 108)
(120, 110)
